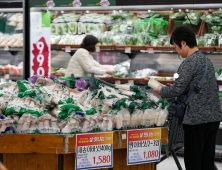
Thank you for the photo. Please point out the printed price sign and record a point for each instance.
(127, 49)
(40, 56)
(67, 49)
(94, 151)
(143, 146)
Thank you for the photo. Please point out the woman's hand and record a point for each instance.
(169, 84)
(157, 89)
(109, 72)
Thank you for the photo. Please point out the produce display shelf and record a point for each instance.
(28, 151)
(12, 77)
(11, 49)
(133, 48)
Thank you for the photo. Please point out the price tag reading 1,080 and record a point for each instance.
(143, 146)
(94, 150)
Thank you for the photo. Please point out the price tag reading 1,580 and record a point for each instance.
(94, 150)
(143, 146)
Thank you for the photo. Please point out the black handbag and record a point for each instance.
(177, 107)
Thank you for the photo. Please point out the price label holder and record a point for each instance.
(97, 49)
(143, 146)
(6, 48)
(117, 82)
(7, 76)
(128, 50)
(150, 50)
(131, 82)
(94, 150)
(67, 49)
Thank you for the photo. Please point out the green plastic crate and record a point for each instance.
(210, 25)
(178, 23)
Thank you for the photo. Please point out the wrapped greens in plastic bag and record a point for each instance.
(100, 28)
(210, 40)
(200, 41)
(178, 15)
(156, 42)
(193, 17)
(207, 18)
(218, 13)
(80, 28)
(53, 29)
(129, 39)
(157, 26)
(65, 28)
(216, 29)
(220, 41)
(139, 40)
(72, 27)
(89, 27)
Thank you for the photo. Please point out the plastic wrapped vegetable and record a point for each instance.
(178, 15)
(210, 40)
(139, 40)
(154, 26)
(100, 28)
(220, 41)
(194, 18)
(207, 18)
(80, 28)
(162, 117)
(218, 13)
(156, 42)
(129, 40)
(216, 29)
(107, 124)
(65, 28)
(200, 41)
(72, 27)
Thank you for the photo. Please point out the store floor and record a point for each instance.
(171, 165)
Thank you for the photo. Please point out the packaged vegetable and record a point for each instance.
(162, 117)
(178, 15)
(210, 40)
(80, 28)
(200, 41)
(194, 18)
(72, 27)
(220, 41)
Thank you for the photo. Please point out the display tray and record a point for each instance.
(219, 49)
(161, 48)
(108, 47)
(135, 80)
(54, 143)
(107, 79)
(163, 75)
(207, 49)
(133, 47)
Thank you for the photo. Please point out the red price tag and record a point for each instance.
(67, 49)
(127, 49)
(143, 145)
(6, 48)
(150, 50)
(40, 61)
(117, 82)
(97, 49)
(131, 82)
(94, 151)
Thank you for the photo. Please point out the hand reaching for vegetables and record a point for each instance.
(110, 72)
(157, 89)
(169, 84)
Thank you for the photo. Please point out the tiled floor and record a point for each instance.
(169, 164)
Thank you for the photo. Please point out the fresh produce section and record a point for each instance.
(138, 29)
(43, 105)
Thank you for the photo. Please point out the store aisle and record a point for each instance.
(171, 165)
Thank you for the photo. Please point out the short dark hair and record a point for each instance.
(182, 33)
(89, 43)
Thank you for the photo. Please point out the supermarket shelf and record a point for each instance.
(12, 77)
(11, 49)
(135, 7)
(133, 48)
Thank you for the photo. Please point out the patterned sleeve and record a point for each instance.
(186, 72)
